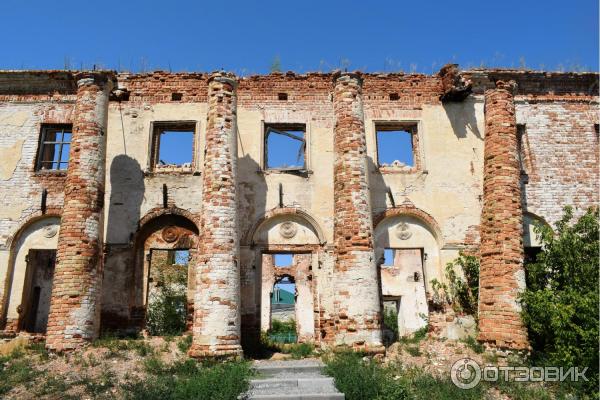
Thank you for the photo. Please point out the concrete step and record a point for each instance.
(307, 366)
(314, 396)
(292, 380)
(321, 384)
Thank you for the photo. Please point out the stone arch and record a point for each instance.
(286, 225)
(161, 229)
(158, 212)
(37, 232)
(529, 221)
(414, 212)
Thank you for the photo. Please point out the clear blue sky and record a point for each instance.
(245, 37)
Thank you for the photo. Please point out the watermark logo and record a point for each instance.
(466, 374)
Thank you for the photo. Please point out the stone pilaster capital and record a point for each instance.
(223, 77)
(96, 78)
(510, 86)
(342, 77)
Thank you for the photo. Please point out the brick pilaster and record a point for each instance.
(217, 295)
(74, 316)
(502, 275)
(357, 298)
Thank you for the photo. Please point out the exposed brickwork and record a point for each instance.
(502, 275)
(357, 298)
(216, 304)
(560, 151)
(74, 310)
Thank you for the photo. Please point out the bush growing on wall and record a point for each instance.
(560, 304)
(462, 290)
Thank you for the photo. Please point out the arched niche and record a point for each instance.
(286, 229)
(35, 242)
(403, 231)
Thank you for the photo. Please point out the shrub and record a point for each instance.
(462, 290)
(560, 304)
(283, 327)
(390, 320)
(167, 308)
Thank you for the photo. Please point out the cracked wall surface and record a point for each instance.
(436, 207)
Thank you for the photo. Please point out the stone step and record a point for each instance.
(320, 384)
(313, 396)
(292, 380)
(289, 367)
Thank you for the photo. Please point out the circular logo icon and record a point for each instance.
(465, 373)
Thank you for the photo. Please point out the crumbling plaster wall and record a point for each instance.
(21, 187)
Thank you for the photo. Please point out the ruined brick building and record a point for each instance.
(384, 179)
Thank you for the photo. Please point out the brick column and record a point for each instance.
(74, 316)
(217, 294)
(502, 276)
(357, 298)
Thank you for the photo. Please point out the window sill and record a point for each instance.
(399, 169)
(172, 170)
(298, 172)
(50, 173)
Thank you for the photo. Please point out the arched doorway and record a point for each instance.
(28, 285)
(293, 235)
(163, 290)
(409, 258)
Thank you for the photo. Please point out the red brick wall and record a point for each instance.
(560, 146)
(216, 305)
(357, 297)
(501, 275)
(74, 309)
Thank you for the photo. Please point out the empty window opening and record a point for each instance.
(285, 147)
(282, 96)
(283, 260)
(396, 147)
(521, 147)
(37, 290)
(283, 311)
(388, 257)
(173, 146)
(394, 96)
(55, 144)
(176, 96)
(166, 312)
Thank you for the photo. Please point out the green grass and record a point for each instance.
(117, 346)
(473, 344)
(185, 343)
(299, 350)
(188, 379)
(361, 378)
(15, 370)
(416, 337)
